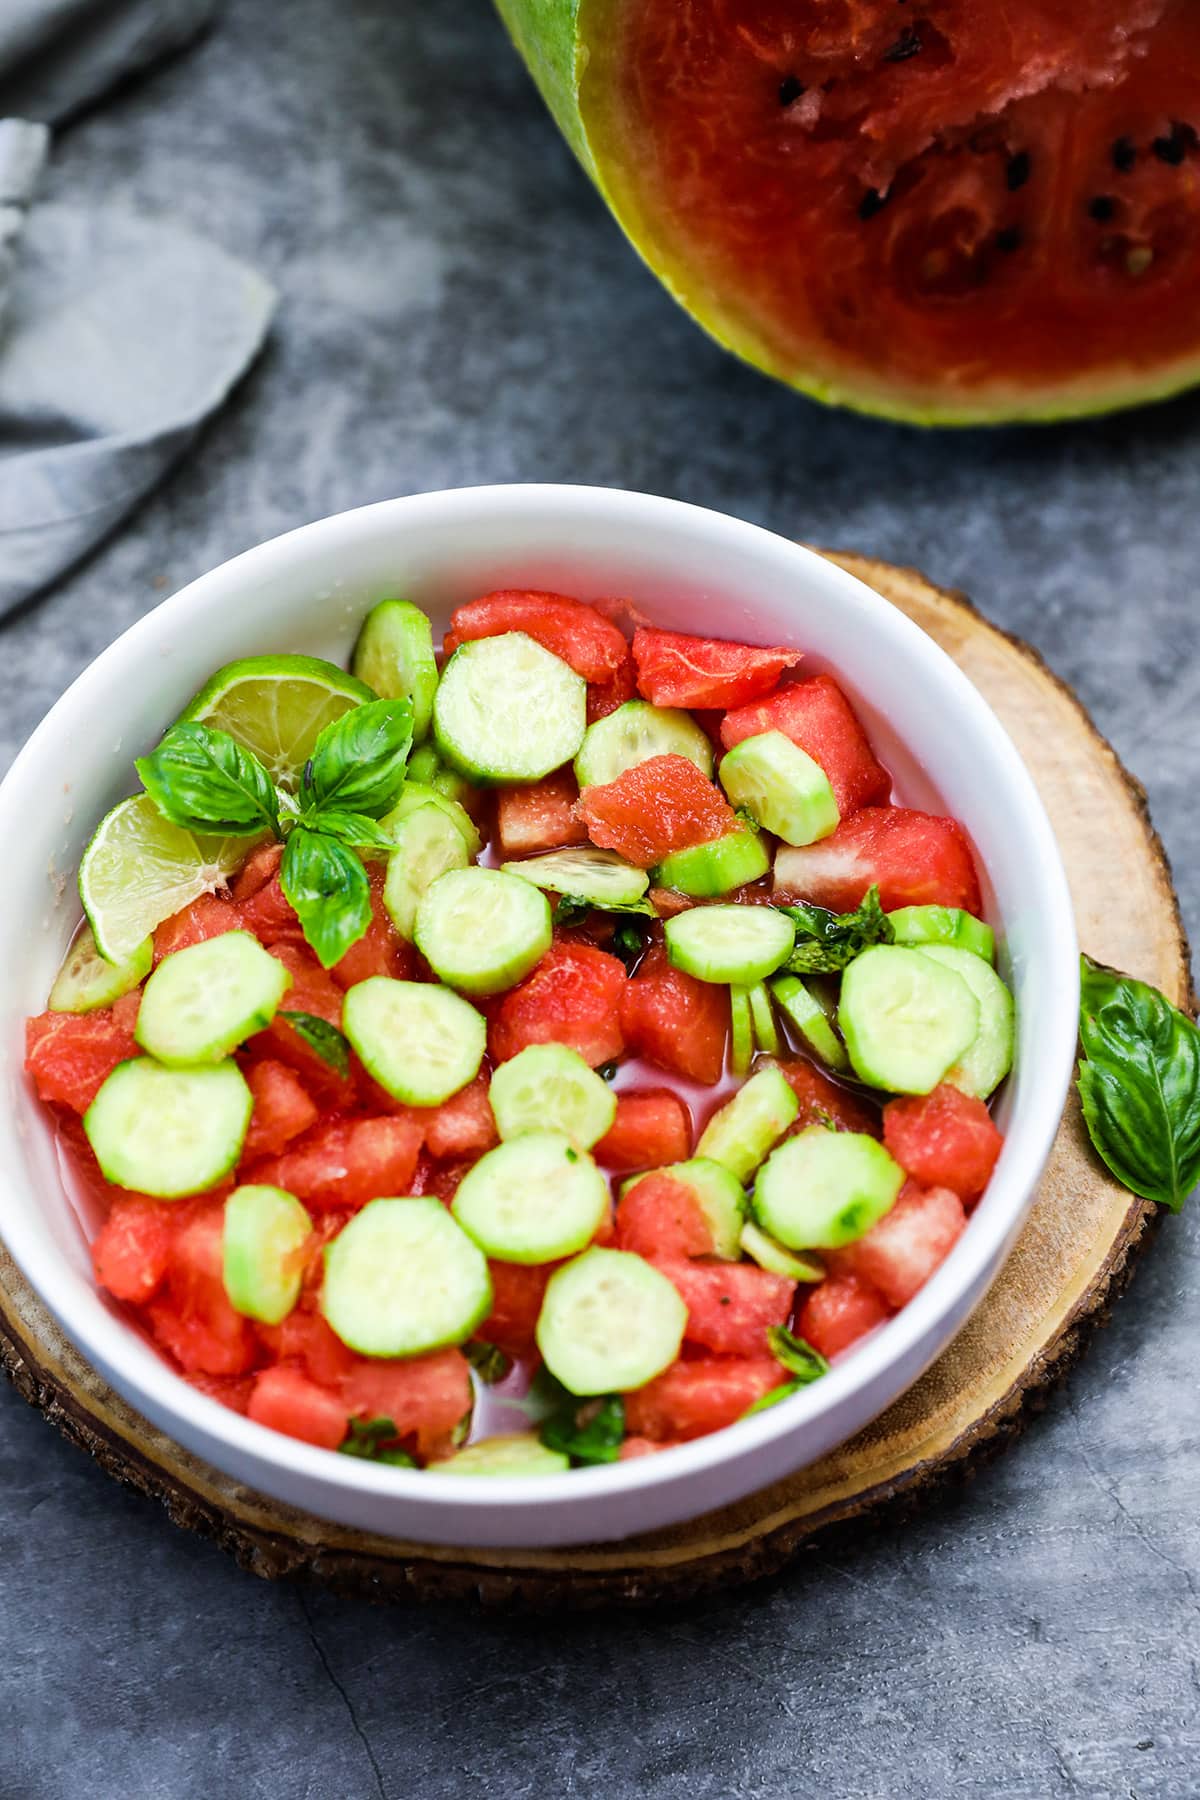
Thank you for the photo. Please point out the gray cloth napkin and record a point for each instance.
(119, 335)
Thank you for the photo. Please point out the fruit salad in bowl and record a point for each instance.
(546, 1045)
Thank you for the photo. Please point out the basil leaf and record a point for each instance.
(798, 1357)
(359, 760)
(628, 942)
(353, 829)
(328, 1042)
(369, 1438)
(1140, 1084)
(588, 1431)
(826, 941)
(204, 780)
(488, 1361)
(328, 887)
(569, 909)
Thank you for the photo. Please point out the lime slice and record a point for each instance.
(277, 707)
(139, 869)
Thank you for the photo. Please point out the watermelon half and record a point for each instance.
(947, 211)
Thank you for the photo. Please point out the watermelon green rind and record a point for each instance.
(552, 37)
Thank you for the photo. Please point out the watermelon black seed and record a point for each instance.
(1173, 148)
(871, 203)
(1017, 172)
(789, 89)
(1101, 208)
(1008, 240)
(1124, 154)
(906, 45)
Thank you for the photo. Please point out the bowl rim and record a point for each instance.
(160, 1391)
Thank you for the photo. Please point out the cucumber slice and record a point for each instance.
(423, 764)
(989, 1056)
(532, 1199)
(823, 1189)
(202, 1002)
(802, 1008)
(169, 1132)
(420, 1042)
(781, 786)
(716, 868)
(265, 1232)
(741, 944)
(507, 710)
(720, 1196)
(402, 1278)
(741, 1030)
(394, 656)
(481, 930)
(517, 1453)
(762, 1017)
(415, 794)
(776, 1259)
(921, 925)
(600, 876)
(428, 844)
(426, 766)
(609, 1323)
(547, 1087)
(633, 734)
(741, 1132)
(906, 1020)
(88, 980)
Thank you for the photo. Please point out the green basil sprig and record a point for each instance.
(588, 1431)
(328, 887)
(329, 1043)
(359, 761)
(827, 942)
(369, 1438)
(1139, 1081)
(804, 1364)
(205, 781)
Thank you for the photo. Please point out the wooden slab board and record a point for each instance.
(1074, 1256)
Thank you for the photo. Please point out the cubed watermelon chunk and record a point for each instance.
(440, 1179)
(675, 1021)
(132, 1250)
(518, 1290)
(944, 1139)
(209, 916)
(898, 1255)
(463, 1125)
(577, 633)
(604, 697)
(839, 1311)
(539, 817)
(304, 1337)
(71, 1055)
(256, 871)
(676, 670)
(314, 991)
(824, 1101)
(287, 1400)
(380, 951)
(914, 858)
(269, 914)
(347, 1162)
(690, 1399)
(191, 1316)
(817, 716)
(426, 1397)
(730, 1305)
(661, 1217)
(657, 807)
(283, 1108)
(653, 1126)
(573, 997)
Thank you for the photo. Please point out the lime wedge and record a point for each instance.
(277, 707)
(139, 869)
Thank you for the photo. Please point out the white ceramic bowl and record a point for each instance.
(688, 569)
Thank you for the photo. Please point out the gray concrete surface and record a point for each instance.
(459, 308)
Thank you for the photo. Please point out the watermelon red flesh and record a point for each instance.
(464, 1125)
(914, 858)
(191, 1316)
(283, 1108)
(540, 817)
(823, 1101)
(568, 628)
(517, 1294)
(898, 1255)
(691, 1399)
(944, 1139)
(132, 1250)
(286, 1399)
(427, 1397)
(730, 1305)
(346, 1162)
(817, 716)
(676, 670)
(207, 917)
(653, 1126)
(660, 1216)
(71, 1055)
(842, 1309)
(604, 697)
(903, 213)
(675, 1021)
(657, 807)
(573, 997)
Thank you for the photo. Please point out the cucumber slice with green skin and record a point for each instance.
(169, 1132)
(481, 930)
(533, 1199)
(417, 793)
(781, 786)
(742, 1131)
(762, 1017)
(599, 876)
(423, 764)
(420, 1042)
(802, 1009)
(394, 656)
(989, 1056)
(921, 925)
(517, 1453)
(428, 845)
(202, 1002)
(719, 1195)
(88, 980)
(905, 1018)
(402, 1278)
(609, 1323)
(508, 710)
(776, 1258)
(548, 1087)
(264, 1235)
(633, 734)
(717, 868)
(738, 944)
(741, 1030)
(823, 1189)
(426, 766)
